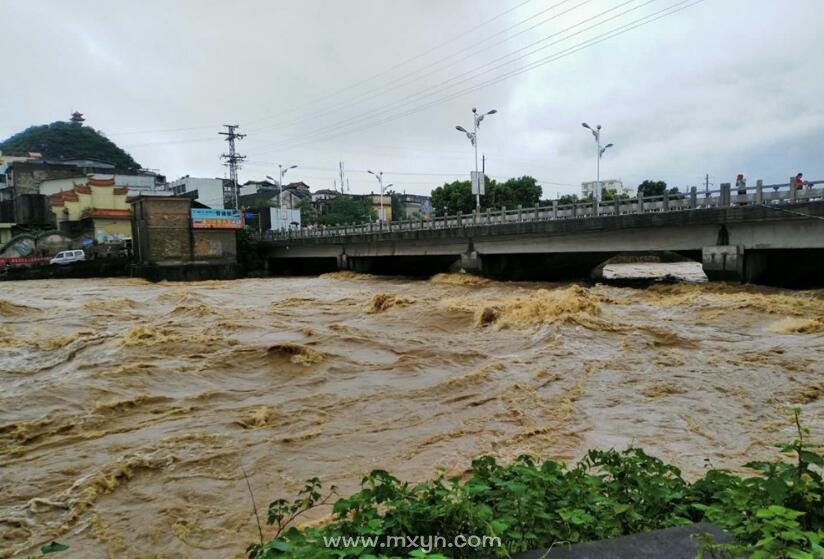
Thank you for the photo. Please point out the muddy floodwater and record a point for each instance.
(129, 410)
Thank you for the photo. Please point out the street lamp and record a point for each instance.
(379, 176)
(282, 171)
(596, 132)
(473, 138)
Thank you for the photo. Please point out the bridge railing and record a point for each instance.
(725, 196)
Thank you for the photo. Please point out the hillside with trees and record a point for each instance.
(68, 140)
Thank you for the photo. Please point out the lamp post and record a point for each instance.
(379, 176)
(596, 132)
(473, 137)
(282, 172)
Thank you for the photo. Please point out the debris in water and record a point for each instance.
(297, 353)
(383, 301)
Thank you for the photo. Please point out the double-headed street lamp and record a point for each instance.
(598, 154)
(282, 171)
(379, 176)
(473, 137)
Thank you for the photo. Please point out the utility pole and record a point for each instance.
(707, 186)
(478, 181)
(599, 152)
(483, 164)
(379, 176)
(233, 160)
(342, 183)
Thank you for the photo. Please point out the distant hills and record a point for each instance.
(68, 140)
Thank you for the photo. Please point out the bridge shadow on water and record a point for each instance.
(798, 268)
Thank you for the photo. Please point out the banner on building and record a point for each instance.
(216, 219)
(284, 218)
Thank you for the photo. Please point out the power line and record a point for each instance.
(405, 61)
(620, 30)
(341, 90)
(160, 131)
(443, 86)
(423, 72)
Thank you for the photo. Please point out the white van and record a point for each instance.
(68, 256)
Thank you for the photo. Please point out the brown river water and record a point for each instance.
(129, 410)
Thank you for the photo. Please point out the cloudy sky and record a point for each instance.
(682, 89)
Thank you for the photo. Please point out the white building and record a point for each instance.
(611, 185)
(208, 191)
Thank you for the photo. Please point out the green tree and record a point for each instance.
(569, 199)
(523, 191)
(65, 140)
(397, 207)
(457, 196)
(655, 188)
(308, 212)
(348, 209)
(452, 198)
(652, 188)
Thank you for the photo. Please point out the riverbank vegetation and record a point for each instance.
(776, 513)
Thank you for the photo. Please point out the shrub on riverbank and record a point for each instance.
(529, 505)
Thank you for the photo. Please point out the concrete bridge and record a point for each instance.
(771, 234)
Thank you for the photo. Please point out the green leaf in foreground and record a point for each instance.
(776, 513)
(53, 547)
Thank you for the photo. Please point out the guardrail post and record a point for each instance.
(555, 209)
(759, 192)
(693, 197)
(793, 190)
(725, 194)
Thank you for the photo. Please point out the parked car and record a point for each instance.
(68, 256)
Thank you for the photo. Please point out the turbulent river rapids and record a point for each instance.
(129, 411)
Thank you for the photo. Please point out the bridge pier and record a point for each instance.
(723, 262)
(343, 261)
(471, 262)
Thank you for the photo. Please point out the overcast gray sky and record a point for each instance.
(721, 87)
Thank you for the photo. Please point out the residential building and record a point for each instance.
(27, 181)
(169, 244)
(253, 187)
(414, 206)
(386, 206)
(324, 194)
(611, 185)
(207, 191)
(137, 185)
(93, 209)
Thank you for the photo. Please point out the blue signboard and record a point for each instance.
(216, 219)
